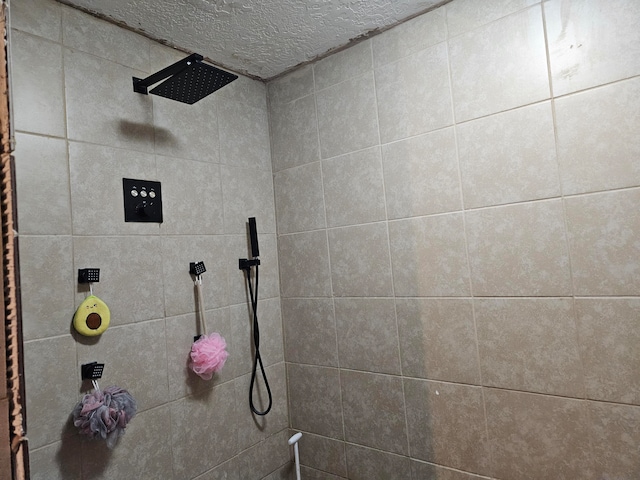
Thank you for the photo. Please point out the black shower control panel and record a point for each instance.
(142, 200)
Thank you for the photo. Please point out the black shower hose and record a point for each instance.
(256, 341)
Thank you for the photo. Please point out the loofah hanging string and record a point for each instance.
(209, 352)
(200, 313)
(105, 414)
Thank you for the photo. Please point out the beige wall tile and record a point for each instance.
(347, 116)
(50, 407)
(509, 157)
(519, 250)
(135, 358)
(536, 436)
(343, 65)
(429, 257)
(37, 85)
(529, 344)
(353, 188)
(145, 449)
(324, 454)
(421, 175)
(512, 47)
(186, 131)
(446, 424)
(131, 281)
(208, 415)
(42, 176)
(314, 397)
(360, 265)
(266, 459)
(310, 331)
(86, 33)
(225, 471)
(590, 45)
(409, 37)
(364, 396)
(598, 145)
(609, 332)
(96, 174)
(299, 201)
(438, 339)
(614, 433)
(38, 17)
(294, 133)
(367, 334)
(197, 185)
(304, 265)
(247, 193)
(296, 84)
(311, 474)
(466, 15)
(603, 232)
(236, 147)
(369, 464)
(414, 94)
(47, 282)
(95, 85)
(57, 461)
(430, 471)
(245, 90)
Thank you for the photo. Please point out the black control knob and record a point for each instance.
(141, 209)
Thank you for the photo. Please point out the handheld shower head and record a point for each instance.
(253, 235)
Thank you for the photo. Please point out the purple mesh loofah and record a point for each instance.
(105, 414)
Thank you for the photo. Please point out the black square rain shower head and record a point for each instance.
(190, 80)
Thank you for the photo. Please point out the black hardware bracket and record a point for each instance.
(141, 85)
(197, 268)
(88, 275)
(246, 264)
(92, 371)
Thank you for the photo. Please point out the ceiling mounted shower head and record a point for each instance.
(190, 80)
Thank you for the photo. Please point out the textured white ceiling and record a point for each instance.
(261, 38)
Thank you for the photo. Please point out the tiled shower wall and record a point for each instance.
(458, 224)
(80, 130)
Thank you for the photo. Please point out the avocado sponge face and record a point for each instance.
(92, 317)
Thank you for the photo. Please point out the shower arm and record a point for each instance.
(141, 85)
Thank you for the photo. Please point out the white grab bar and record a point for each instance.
(294, 441)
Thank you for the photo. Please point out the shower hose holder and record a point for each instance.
(246, 264)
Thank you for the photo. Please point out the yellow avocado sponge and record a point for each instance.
(92, 317)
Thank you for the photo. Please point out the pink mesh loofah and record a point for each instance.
(208, 355)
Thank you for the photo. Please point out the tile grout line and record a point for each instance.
(331, 290)
(466, 243)
(567, 242)
(391, 269)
